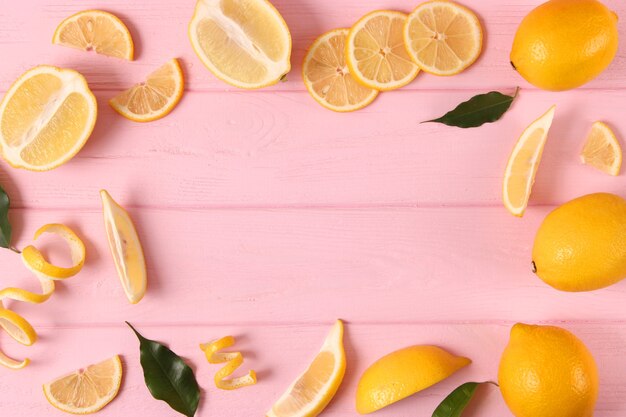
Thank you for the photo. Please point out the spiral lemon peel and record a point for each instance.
(15, 325)
(233, 360)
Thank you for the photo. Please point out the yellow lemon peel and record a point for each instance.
(233, 360)
(15, 325)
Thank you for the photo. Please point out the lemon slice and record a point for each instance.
(327, 77)
(376, 54)
(521, 169)
(442, 37)
(245, 43)
(45, 118)
(602, 150)
(125, 248)
(95, 30)
(233, 360)
(87, 390)
(313, 390)
(153, 99)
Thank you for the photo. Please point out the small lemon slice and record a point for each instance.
(316, 387)
(245, 43)
(233, 360)
(95, 30)
(88, 390)
(442, 37)
(125, 248)
(153, 99)
(376, 54)
(45, 118)
(602, 150)
(521, 169)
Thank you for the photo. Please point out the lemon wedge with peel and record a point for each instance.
(125, 248)
(602, 150)
(45, 118)
(87, 390)
(521, 169)
(245, 43)
(315, 388)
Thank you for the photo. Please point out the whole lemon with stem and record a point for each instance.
(546, 371)
(563, 44)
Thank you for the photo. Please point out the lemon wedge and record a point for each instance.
(521, 169)
(602, 150)
(233, 360)
(125, 248)
(316, 387)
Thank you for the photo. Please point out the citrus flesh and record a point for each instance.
(602, 150)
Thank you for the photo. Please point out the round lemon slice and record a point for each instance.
(87, 390)
(45, 118)
(327, 77)
(602, 150)
(245, 43)
(376, 54)
(95, 30)
(442, 37)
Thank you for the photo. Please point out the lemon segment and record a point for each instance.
(375, 52)
(403, 373)
(523, 163)
(45, 118)
(96, 30)
(153, 99)
(313, 390)
(88, 390)
(602, 150)
(233, 360)
(125, 248)
(245, 43)
(443, 38)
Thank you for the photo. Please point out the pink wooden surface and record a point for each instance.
(265, 216)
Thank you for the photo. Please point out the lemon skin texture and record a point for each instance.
(546, 371)
(563, 44)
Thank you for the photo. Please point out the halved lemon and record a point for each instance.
(95, 30)
(87, 390)
(376, 54)
(521, 169)
(602, 150)
(443, 37)
(245, 43)
(45, 118)
(153, 99)
(327, 77)
(316, 387)
(125, 248)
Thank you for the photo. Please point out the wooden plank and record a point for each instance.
(280, 353)
(159, 29)
(276, 150)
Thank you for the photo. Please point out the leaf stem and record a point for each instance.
(12, 248)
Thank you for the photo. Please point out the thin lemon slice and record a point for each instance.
(153, 99)
(443, 37)
(245, 43)
(233, 360)
(602, 150)
(45, 118)
(327, 77)
(87, 390)
(95, 30)
(125, 248)
(315, 388)
(375, 51)
(521, 169)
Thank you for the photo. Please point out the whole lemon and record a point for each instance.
(563, 44)
(546, 371)
(581, 245)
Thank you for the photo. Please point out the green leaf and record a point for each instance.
(168, 377)
(480, 109)
(5, 226)
(454, 404)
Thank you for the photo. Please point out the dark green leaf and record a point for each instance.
(454, 404)
(5, 226)
(168, 377)
(480, 109)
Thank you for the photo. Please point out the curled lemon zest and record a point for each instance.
(233, 361)
(15, 325)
